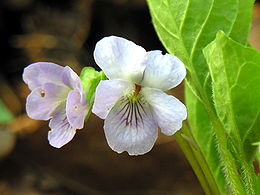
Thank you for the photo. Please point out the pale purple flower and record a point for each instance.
(56, 94)
(133, 102)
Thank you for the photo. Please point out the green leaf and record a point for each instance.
(242, 24)
(5, 115)
(185, 27)
(235, 72)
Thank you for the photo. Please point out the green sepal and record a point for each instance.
(90, 79)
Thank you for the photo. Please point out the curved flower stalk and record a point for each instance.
(133, 102)
(56, 94)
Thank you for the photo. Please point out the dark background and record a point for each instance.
(65, 32)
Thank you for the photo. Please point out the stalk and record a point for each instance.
(197, 161)
(228, 162)
(193, 162)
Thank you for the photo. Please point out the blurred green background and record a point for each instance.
(65, 32)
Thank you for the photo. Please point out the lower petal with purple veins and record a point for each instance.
(61, 130)
(130, 127)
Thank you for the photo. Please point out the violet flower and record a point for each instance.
(133, 102)
(56, 94)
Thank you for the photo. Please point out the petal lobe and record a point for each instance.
(61, 131)
(162, 71)
(120, 58)
(108, 93)
(168, 111)
(75, 111)
(130, 127)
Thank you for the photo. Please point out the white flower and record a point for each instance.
(132, 102)
(57, 94)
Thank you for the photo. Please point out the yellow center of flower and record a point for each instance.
(137, 89)
(136, 95)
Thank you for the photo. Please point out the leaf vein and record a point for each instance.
(186, 10)
(201, 29)
(165, 28)
(252, 125)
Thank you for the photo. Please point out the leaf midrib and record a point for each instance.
(201, 30)
(230, 105)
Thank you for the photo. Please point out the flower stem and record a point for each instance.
(197, 161)
(247, 170)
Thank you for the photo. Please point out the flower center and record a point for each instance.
(136, 95)
(131, 111)
(137, 89)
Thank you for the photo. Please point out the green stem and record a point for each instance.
(204, 164)
(193, 162)
(248, 174)
(228, 162)
(197, 161)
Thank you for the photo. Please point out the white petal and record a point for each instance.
(162, 71)
(108, 92)
(42, 102)
(168, 111)
(39, 73)
(61, 130)
(130, 127)
(71, 79)
(120, 58)
(75, 111)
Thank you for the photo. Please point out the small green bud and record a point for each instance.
(90, 79)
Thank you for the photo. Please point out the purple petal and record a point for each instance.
(75, 111)
(43, 101)
(71, 79)
(39, 73)
(61, 130)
